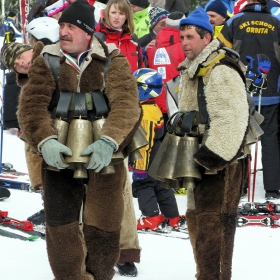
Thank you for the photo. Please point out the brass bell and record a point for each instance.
(117, 157)
(246, 150)
(168, 163)
(154, 167)
(143, 131)
(258, 117)
(249, 138)
(188, 183)
(79, 137)
(137, 142)
(185, 165)
(171, 184)
(135, 155)
(255, 128)
(62, 128)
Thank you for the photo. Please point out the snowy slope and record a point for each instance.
(256, 254)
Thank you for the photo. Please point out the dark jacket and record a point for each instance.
(182, 6)
(254, 30)
(146, 39)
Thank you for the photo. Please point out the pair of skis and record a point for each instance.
(259, 214)
(12, 179)
(24, 226)
(8, 233)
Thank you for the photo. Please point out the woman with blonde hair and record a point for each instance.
(116, 26)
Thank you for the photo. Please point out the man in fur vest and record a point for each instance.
(87, 248)
(212, 204)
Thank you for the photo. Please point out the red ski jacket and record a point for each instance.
(165, 57)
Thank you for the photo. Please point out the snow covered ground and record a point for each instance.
(256, 253)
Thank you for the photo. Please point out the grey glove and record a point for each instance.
(102, 151)
(52, 152)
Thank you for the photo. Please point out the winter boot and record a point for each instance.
(271, 195)
(152, 223)
(4, 193)
(37, 218)
(127, 269)
(178, 222)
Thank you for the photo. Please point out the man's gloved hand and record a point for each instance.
(52, 152)
(102, 151)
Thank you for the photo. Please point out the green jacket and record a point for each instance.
(142, 22)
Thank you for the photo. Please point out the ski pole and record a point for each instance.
(264, 75)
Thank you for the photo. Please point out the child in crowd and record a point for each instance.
(158, 205)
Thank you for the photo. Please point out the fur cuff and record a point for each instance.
(129, 255)
(209, 160)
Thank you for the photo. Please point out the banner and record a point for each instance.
(24, 10)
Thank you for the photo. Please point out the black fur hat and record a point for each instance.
(81, 14)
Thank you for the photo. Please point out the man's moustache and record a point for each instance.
(65, 38)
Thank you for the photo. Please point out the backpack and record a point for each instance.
(10, 101)
(2, 29)
(5, 31)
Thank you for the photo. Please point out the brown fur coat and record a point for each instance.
(121, 91)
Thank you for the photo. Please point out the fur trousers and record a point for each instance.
(90, 250)
(211, 219)
(129, 242)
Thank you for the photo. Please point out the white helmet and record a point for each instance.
(44, 28)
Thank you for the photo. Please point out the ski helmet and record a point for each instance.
(44, 28)
(149, 83)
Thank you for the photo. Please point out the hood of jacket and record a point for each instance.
(252, 8)
(138, 16)
(168, 36)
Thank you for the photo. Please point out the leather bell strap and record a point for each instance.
(100, 104)
(63, 105)
(80, 104)
(187, 122)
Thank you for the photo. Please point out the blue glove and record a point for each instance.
(102, 151)
(263, 63)
(52, 152)
(250, 74)
(258, 69)
(263, 67)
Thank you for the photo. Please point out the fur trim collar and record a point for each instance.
(192, 67)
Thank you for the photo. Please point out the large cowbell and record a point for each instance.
(174, 164)
(117, 157)
(62, 128)
(80, 136)
(137, 142)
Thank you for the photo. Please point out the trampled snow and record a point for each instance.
(256, 251)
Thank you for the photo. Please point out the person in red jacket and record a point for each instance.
(166, 55)
(118, 28)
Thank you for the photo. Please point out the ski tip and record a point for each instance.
(32, 238)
